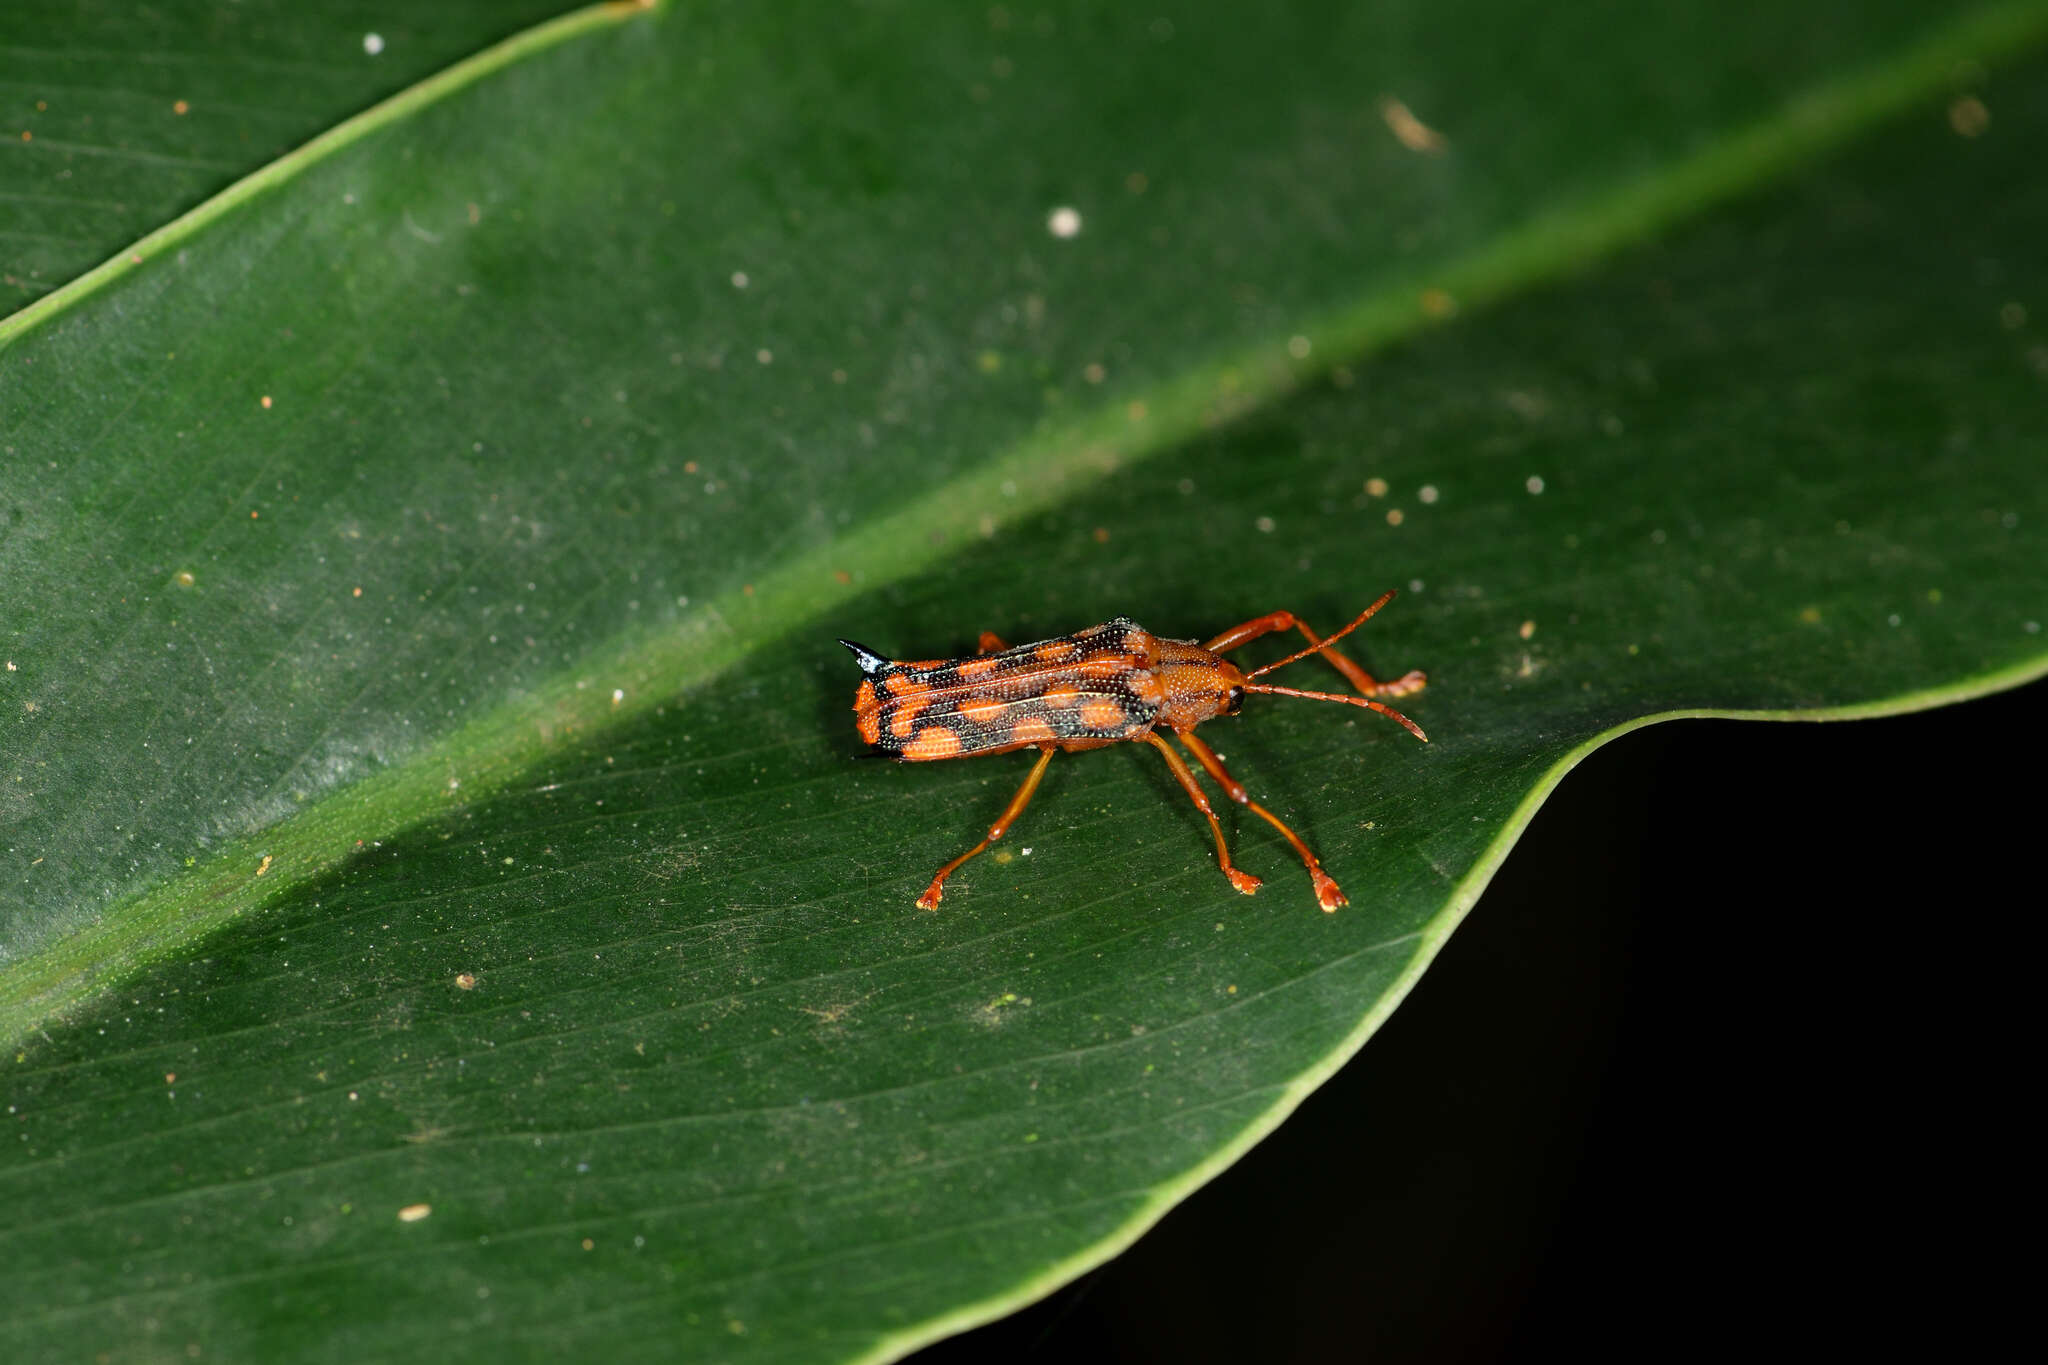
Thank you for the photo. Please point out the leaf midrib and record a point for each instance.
(1046, 469)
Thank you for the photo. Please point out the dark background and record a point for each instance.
(1735, 1053)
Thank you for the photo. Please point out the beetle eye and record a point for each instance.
(1236, 701)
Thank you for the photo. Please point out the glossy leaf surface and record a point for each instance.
(121, 118)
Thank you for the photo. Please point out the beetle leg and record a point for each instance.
(1327, 893)
(1242, 880)
(991, 643)
(1367, 685)
(935, 892)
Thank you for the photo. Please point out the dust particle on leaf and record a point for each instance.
(1410, 131)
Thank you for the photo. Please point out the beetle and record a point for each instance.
(1114, 683)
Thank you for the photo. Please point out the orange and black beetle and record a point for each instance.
(1108, 684)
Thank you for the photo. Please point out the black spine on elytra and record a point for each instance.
(869, 661)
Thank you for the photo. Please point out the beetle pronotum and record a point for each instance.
(1108, 684)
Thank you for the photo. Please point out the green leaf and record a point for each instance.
(118, 120)
(442, 914)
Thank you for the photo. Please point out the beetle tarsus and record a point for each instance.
(1414, 680)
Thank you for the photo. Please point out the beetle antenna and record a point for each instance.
(869, 661)
(1413, 728)
(1320, 645)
